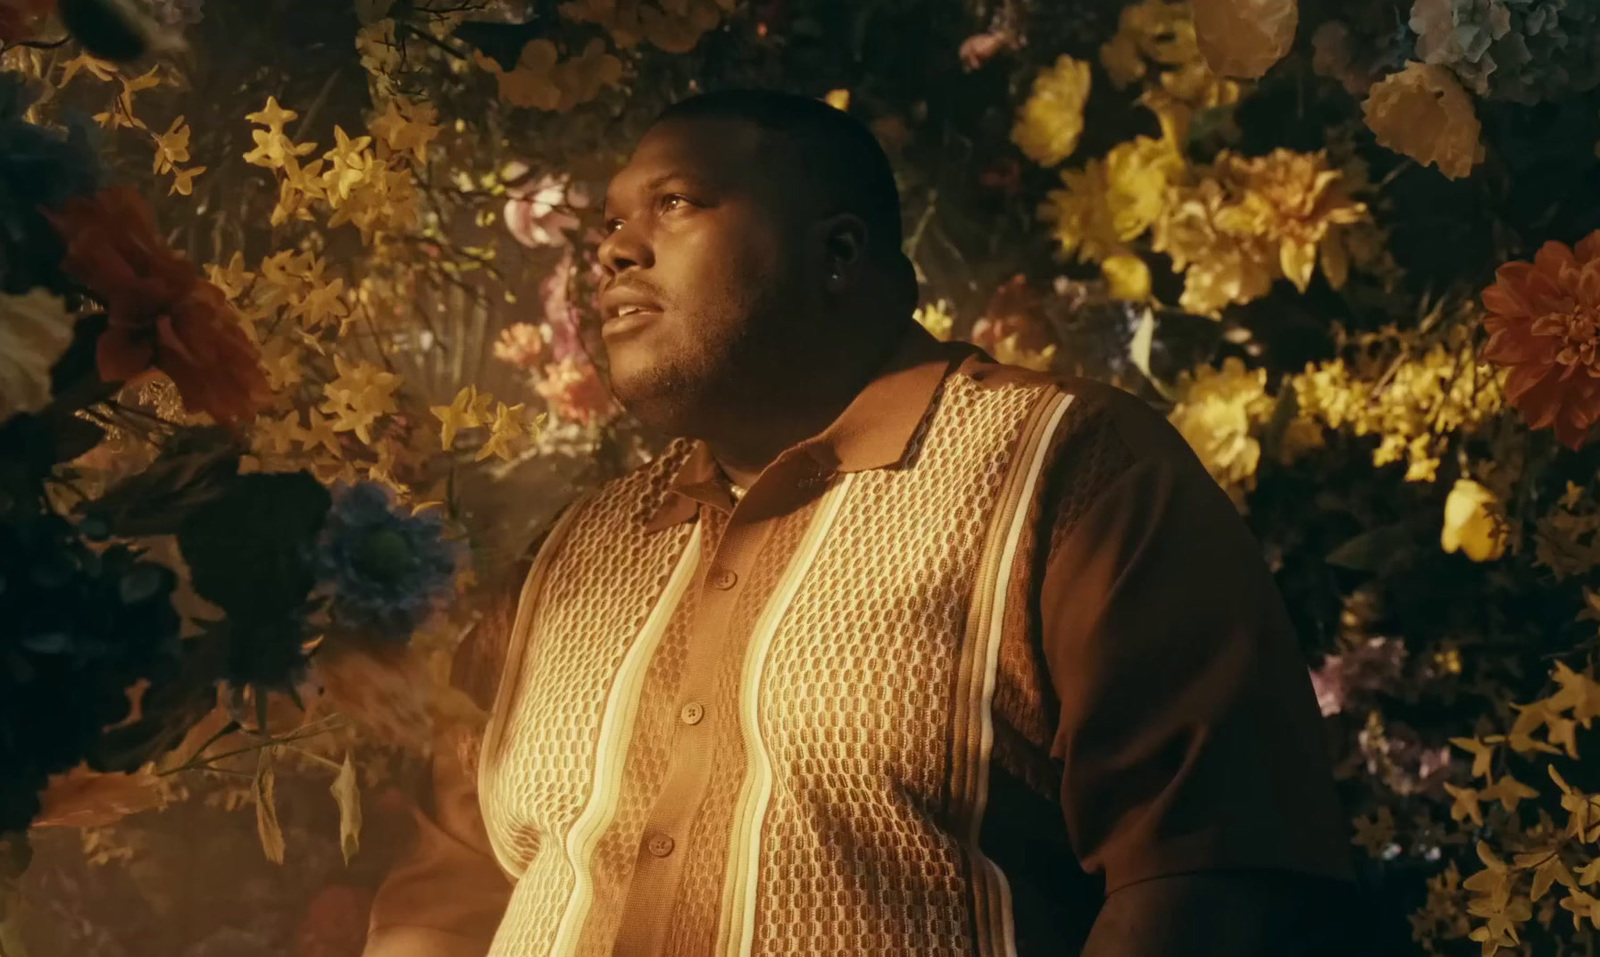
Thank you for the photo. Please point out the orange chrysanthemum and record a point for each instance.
(1544, 325)
(161, 313)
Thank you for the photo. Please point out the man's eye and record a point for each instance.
(674, 201)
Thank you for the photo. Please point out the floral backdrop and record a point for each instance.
(296, 355)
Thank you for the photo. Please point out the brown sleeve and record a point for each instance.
(1189, 732)
(447, 896)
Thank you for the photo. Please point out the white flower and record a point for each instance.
(35, 329)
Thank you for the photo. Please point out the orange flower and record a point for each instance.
(161, 313)
(1544, 325)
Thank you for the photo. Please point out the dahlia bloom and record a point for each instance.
(1543, 319)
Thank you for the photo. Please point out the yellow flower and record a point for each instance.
(1083, 219)
(349, 163)
(1113, 200)
(935, 317)
(359, 396)
(1217, 412)
(1051, 120)
(1219, 267)
(1164, 34)
(1243, 38)
(183, 180)
(1474, 522)
(272, 116)
(468, 411)
(35, 329)
(1422, 112)
(1127, 277)
(1011, 351)
(506, 429)
(172, 147)
(1294, 201)
(1138, 175)
(838, 99)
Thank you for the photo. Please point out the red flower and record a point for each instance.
(161, 313)
(1544, 325)
(20, 19)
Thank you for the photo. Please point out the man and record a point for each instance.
(895, 651)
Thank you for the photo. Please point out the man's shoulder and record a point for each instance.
(1100, 418)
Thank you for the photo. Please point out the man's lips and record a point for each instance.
(627, 319)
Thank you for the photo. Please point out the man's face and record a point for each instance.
(704, 264)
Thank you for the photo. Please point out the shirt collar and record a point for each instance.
(872, 432)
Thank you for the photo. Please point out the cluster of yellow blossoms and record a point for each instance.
(1413, 401)
(1231, 228)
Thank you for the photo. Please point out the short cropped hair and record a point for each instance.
(838, 153)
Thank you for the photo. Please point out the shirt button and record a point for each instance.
(692, 713)
(724, 579)
(660, 845)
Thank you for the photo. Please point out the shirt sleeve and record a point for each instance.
(447, 896)
(1189, 733)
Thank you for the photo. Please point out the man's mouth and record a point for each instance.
(627, 318)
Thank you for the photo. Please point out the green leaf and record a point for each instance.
(267, 827)
(1373, 550)
(1144, 338)
(1283, 413)
(347, 792)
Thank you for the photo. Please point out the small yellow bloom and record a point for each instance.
(504, 431)
(1051, 120)
(936, 318)
(1127, 276)
(1474, 522)
(838, 99)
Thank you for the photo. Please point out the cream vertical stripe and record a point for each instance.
(1001, 932)
(736, 934)
(516, 650)
(616, 732)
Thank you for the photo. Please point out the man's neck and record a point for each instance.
(750, 442)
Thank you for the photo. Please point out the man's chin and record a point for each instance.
(659, 403)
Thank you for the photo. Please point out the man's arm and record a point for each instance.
(447, 896)
(1271, 914)
(1195, 772)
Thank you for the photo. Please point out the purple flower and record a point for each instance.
(385, 571)
(1370, 666)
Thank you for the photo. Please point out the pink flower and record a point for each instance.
(539, 213)
(575, 392)
(521, 344)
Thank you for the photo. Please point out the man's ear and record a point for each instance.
(844, 249)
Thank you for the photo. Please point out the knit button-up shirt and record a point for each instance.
(988, 648)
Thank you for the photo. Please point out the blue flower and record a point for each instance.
(385, 571)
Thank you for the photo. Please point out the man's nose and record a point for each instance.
(624, 249)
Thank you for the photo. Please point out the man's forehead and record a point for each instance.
(720, 151)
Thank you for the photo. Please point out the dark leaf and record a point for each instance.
(109, 29)
(248, 549)
(1374, 550)
(192, 470)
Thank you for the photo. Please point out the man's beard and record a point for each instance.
(682, 393)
